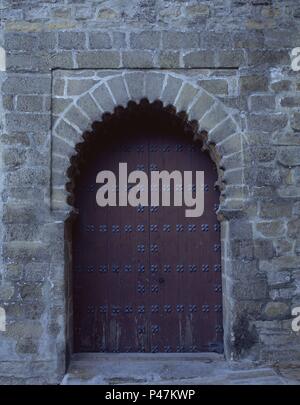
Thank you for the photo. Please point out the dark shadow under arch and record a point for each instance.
(152, 115)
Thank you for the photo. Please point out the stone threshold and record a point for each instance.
(167, 369)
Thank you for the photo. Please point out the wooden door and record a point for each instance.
(146, 279)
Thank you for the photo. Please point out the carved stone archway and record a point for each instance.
(85, 103)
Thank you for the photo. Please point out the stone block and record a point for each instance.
(230, 145)
(272, 58)
(197, 10)
(99, 40)
(25, 252)
(88, 105)
(77, 87)
(263, 249)
(212, 118)
(27, 84)
(154, 85)
(290, 101)
(180, 40)
(98, 59)
(135, 85)
(145, 40)
(267, 122)
(30, 103)
(295, 121)
(289, 191)
(199, 59)
(281, 85)
(293, 229)
(257, 288)
(71, 40)
(216, 40)
(19, 41)
(231, 59)
(61, 147)
(138, 59)
(271, 229)
(59, 105)
(248, 39)
(214, 86)
(67, 132)
(240, 229)
(13, 158)
(118, 90)
(77, 118)
(201, 106)
(289, 156)
(259, 103)
(169, 59)
(185, 97)
(119, 40)
(253, 83)
(104, 98)
(276, 310)
(31, 122)
(222, 131)
(171, 90)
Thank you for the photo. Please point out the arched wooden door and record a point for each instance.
(146, 279)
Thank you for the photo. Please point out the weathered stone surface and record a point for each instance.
(103, 98)
(185, 97)
(267, 122)
(216, 86)
(98, 59)
(178, 40)
(99, 40)
(118, 90)
(30, 103)
(271, 229)
(249, 84)
(281, 85)
(276, 310)
(71, 40)
(135, 84)
(77, 87)
(145, 40)
(213, 117)
(202, 104)
(32, 122)
(77, 118)
(222, 131)
(290, 102)
(231, 59)
(89, 106)
(289, 156)
(153, 86)
(137, 59)
(199, 59)
(171, 89)
(27, 84)
(262, 103)
(169, 59)
(295, 123)
(269, 57)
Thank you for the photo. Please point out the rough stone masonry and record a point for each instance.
(227, 64)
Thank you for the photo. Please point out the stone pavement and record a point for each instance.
(175, 368)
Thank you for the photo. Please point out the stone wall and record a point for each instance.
(237, 52)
